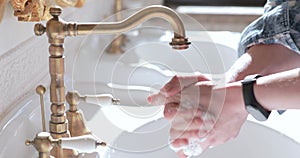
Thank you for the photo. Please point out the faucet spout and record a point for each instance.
(129, 23)
(179, 40)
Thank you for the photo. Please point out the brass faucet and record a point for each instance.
(44, 143)
(57, 30)
(81, 138)
(119, 40)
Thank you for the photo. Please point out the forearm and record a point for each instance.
(264, 60)
(279, 91)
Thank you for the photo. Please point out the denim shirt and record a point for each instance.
(280, 24)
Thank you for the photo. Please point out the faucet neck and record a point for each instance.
(57, 29)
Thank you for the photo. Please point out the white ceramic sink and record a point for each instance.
(254, 141)
(139, 131)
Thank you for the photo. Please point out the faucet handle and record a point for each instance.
(40, 29)
(83, 144)
(41, 90)
(43, 142)
(73, 98)
(101, 99)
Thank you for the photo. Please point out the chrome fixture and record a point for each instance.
(66, 125)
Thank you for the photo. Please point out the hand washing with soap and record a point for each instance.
(205, 112)
(199, 112)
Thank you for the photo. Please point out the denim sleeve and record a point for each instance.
(280, 24)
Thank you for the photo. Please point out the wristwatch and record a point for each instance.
(252, 106)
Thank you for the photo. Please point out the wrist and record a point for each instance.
(252, 105)
(258, 91)
(235, 91)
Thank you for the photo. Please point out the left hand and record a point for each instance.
(212, 114)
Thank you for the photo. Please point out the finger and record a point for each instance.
(178, 111)
(161, 99)
(180, 130)
(194, 148)
(190, 119)
(156, 99)
(187, 134)
(170, 110)
(194, 123)
(178, 144)
(188, 97)
(177, 83)
(172, 87)
(181, 154)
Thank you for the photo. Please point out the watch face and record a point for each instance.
(256, 113)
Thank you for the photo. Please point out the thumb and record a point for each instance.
(156, 99)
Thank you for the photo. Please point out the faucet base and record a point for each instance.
(58, 152)
(77, 124)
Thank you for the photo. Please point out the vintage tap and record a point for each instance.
(116, 46)
(71, 123)
(82, 140)
(77, 124)
(43, 142)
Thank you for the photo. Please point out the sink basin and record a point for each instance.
(151, 140)
(137, 129)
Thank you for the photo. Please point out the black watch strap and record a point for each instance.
(252, 106)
